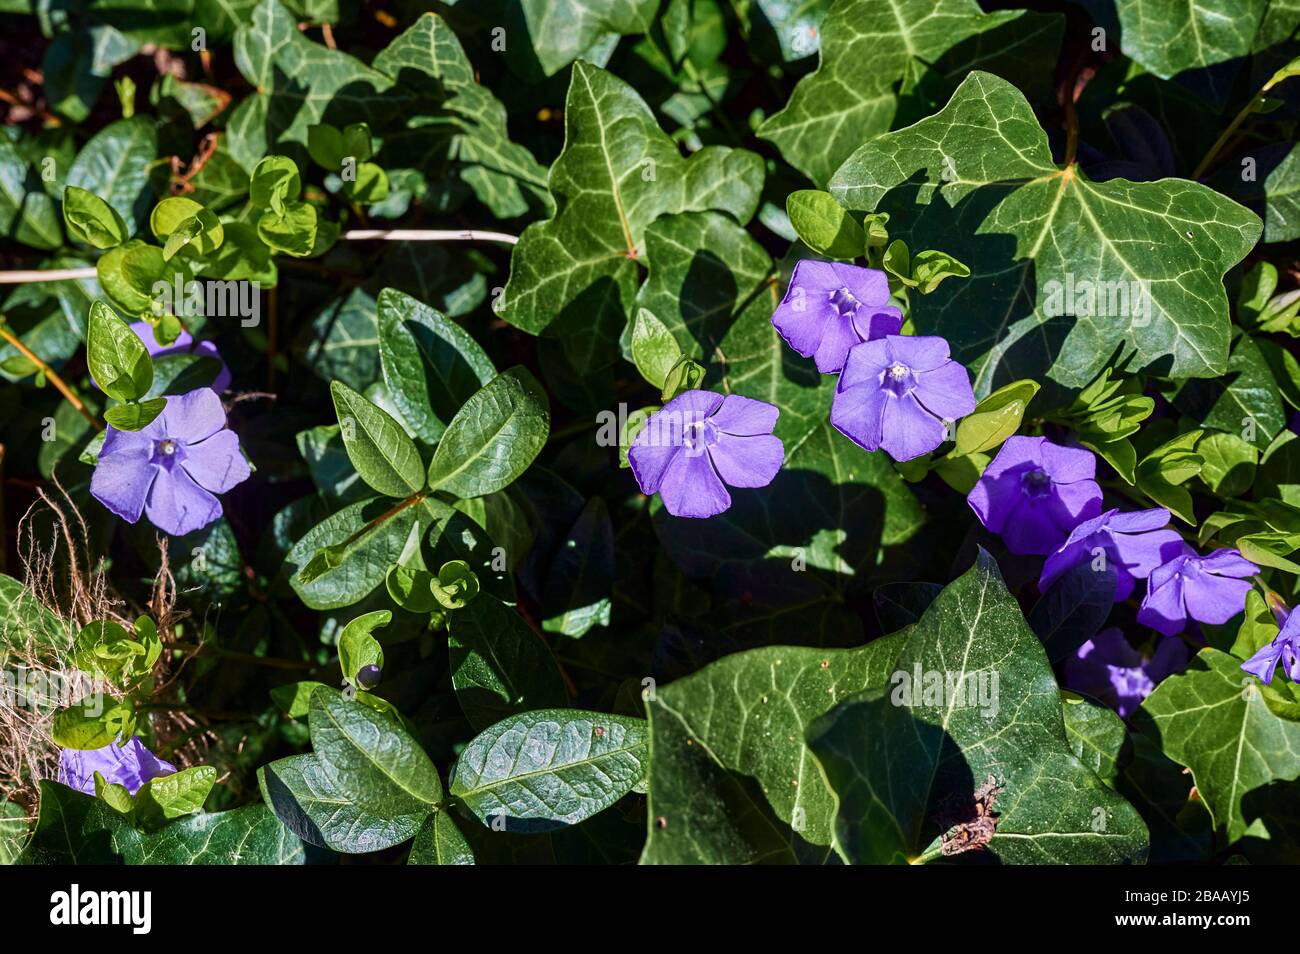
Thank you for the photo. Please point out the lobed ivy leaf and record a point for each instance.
(251, 835)
(979, 181)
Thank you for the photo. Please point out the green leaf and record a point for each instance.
(1096, 734)
(117, 358)
(114, 165)
(732, 781)
(493, 437)
(135, 417)
(824, 225)
(995, 418)
(579, 592)
(1050, 807)
(380, 450)
(542, 770)
(885, 61)
(1213, 718)
(560, 32)
(654, 349)
(72, 829)
(358, 648)
(173, 796)
(499, 666)
(978, 180)
(1272, 190)
(92, 220)
(439, 842)
(97, 721)
(431, 365)
(251, 835)
(617, 174)
(295, 231)
(13, 831)
(1230, 463)
(294, 699)
(1244, 402)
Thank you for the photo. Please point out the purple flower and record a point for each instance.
(130, 765)
(1108, 668)
(830, 307)
(1134, 544)
(897, 393)
(1284, 649)
(700, 441)
(1035, 492)
(172, 468)
(1211, 589)
(184, 343)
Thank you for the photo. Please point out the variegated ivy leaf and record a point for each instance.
(1066, 273)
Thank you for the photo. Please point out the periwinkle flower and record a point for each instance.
(1108, 668)
(184, 343)
(1209, 589)
(1034, 492)
(1133, 543)
(899, 393)
(173, 468)
(129, 765)
(830, 307)
(1284, 649)
(698, 444)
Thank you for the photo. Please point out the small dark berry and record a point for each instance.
(368, 676)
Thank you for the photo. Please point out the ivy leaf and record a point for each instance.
(617, 174)
(72, 829)
(542, 770)
(1244, 402)
(499, 666)
(732, 781)
(493, 437)
(904, 56)
(503, 175)
(1096, 735)
(1074, 609)
(384, 456)
(1051, 805)
(431, 365)
(978, 180)
(439, 842)
(1214, 719)
(560, 31)
(251, 835)
(1273, 191)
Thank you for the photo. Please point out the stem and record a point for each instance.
(429, 235)
(26, 276)
(51, 376)
(271, 661)
(1256, 102)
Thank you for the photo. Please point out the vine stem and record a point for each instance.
(50, 375)
(1246, 111)
(33, 275)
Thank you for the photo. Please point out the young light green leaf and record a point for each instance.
(92, 220)
(118, 359)
(824, 225)
(654, 349)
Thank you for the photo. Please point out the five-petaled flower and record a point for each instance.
(1284, 649)
(830, 307)
(900, 393)
(1035, 492)
(1133, 543)
(129, 765)
(1209, 589)
(172, 469)
(698, 443)
(1108, 668)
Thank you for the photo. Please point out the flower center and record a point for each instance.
(168, 452)
(844, 303)
(1036, 482)
(898, 379)
(167, 447)
(698, 436)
